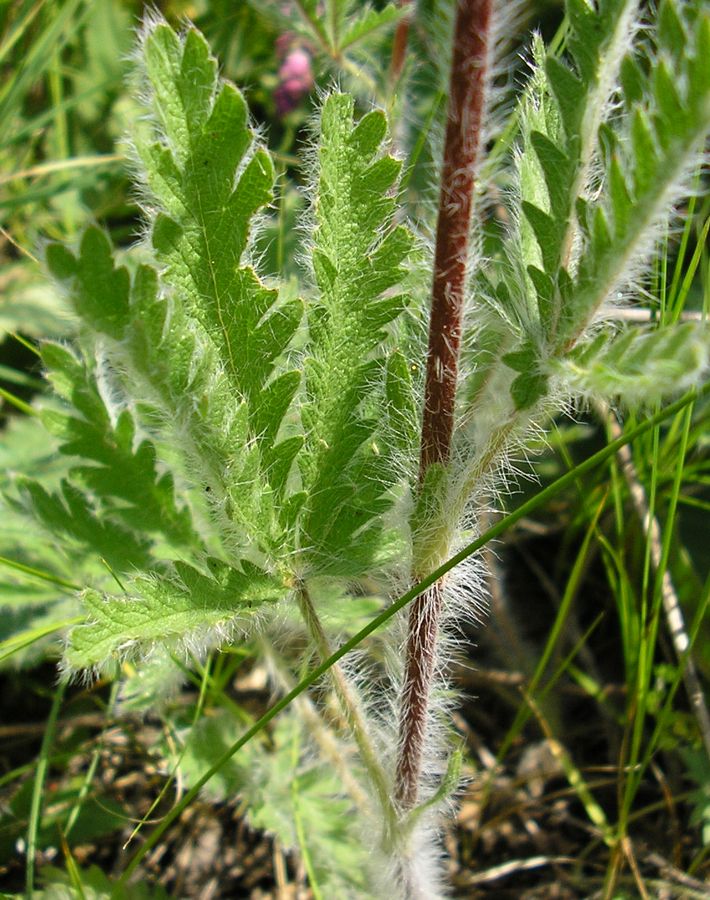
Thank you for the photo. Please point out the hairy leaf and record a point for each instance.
(189, 610)
(639, 366)
(71, 514)
(115, 464)
(358, 258)
(208, 180)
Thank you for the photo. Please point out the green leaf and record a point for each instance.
(531, 384)
(208, 179)
(99, 291)
(402, 411)
(117, 465)
(633, 81)
(545, 288)
(358, 258)
(185, 610)
(547, 233)
(558, 171)
(522, 360)
(638, 366)
(71, 515)
(567, 101)
(165, 358)
(648, 157)
(671, 32)
(645, 153)
(569, 92)
(285, 789)
(369, 21)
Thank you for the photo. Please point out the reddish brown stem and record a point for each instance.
(399, 44)
(418, 674)
(469, 75)
(463, 139)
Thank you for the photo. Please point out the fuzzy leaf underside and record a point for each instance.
(638, 366)
(189, 610)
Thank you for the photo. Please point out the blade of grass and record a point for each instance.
(72, 869)
(419, 145)
(51, 40)
(18, 642)
(38, 573)
(62, 165)
(678, 300)
(89, 777)
(199, 706)
(19, 29)
(298, 819)
(523, 714)
(15, 401)
(34, 125)
(38, 787)
(13, 376)
(28, 345)
(575, 778)
(650, 634)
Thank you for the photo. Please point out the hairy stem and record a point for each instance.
(469, 77)
(349, 705)
(318, 729)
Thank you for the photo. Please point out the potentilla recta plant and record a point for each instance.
(253, 457)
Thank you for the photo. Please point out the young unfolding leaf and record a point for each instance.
(588, 243)
(638, 366)
(645, 167)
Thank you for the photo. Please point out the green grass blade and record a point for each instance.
(18, 642)
(53, 38)
(36, 804)
(37, 573)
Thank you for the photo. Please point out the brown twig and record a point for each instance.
(469, 75)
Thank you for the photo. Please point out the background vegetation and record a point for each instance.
(581, 723)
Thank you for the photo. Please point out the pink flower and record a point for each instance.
(295, 78)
